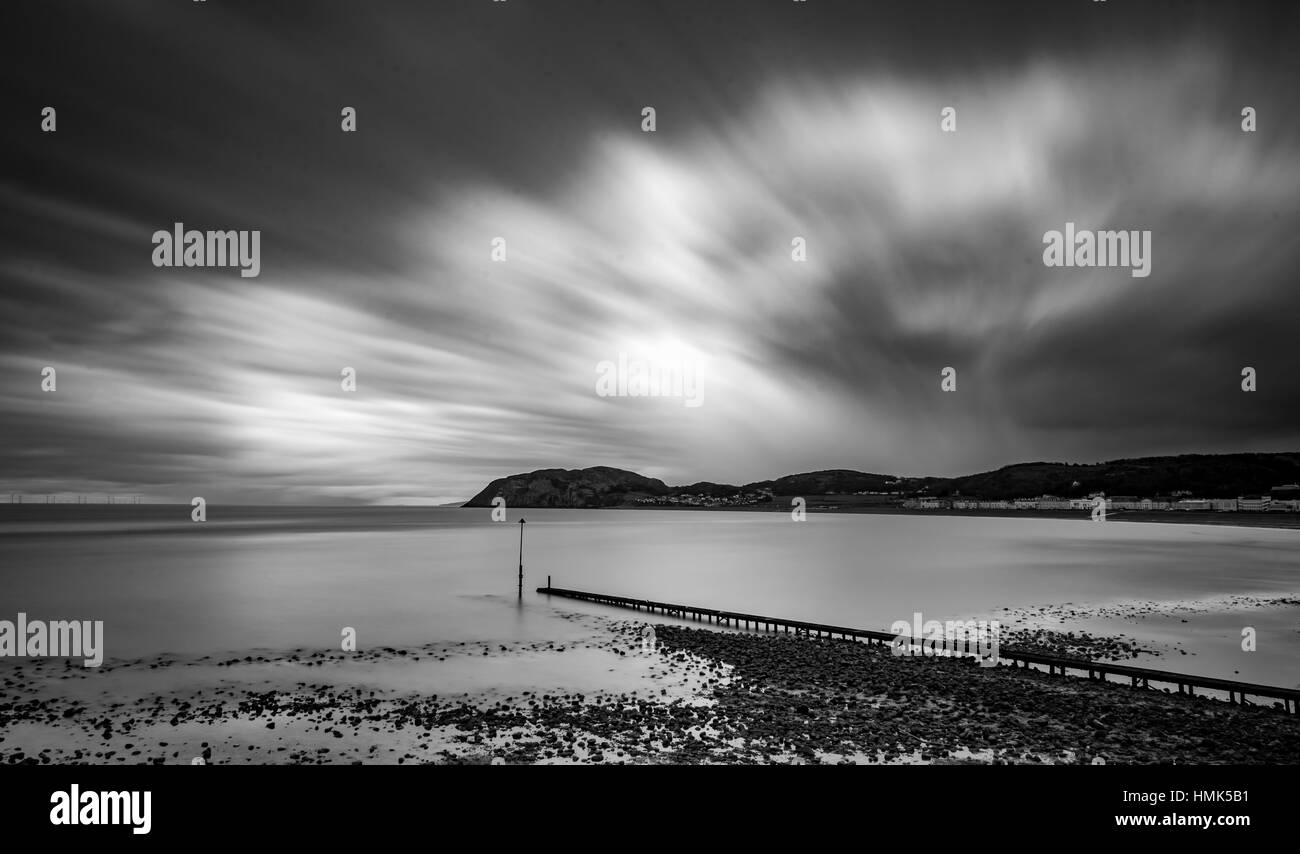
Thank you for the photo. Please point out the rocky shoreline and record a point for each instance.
(809, 698)
(700, 696)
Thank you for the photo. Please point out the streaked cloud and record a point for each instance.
(924, 251)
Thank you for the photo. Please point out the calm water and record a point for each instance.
(275, 578)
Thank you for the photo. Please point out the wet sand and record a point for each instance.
(418, 705)
(700, 696)
(1199, 636)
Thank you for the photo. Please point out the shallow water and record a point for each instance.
(284, 578)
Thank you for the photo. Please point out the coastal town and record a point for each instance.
(1279, 499)
(739, 499)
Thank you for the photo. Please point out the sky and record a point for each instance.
(670, 250)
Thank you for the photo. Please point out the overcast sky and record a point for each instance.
(522, 119)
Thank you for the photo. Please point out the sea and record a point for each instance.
(282, 578)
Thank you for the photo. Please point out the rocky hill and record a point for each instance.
(1203, 475)
(600, 486)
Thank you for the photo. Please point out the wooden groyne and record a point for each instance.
(1140, 676)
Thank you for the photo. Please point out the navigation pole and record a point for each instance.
(521, 559)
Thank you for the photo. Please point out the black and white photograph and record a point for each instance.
(650, 382)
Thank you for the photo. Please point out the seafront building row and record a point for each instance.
(1243, 504)
(1281, 499)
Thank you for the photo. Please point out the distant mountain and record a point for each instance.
(833, 480)
(600, 486)
(704, 487)
(1203, 475)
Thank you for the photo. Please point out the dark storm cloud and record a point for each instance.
(521, 120)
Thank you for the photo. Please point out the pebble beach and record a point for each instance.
(700, 696)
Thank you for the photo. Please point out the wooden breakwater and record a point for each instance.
(1140, 676)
